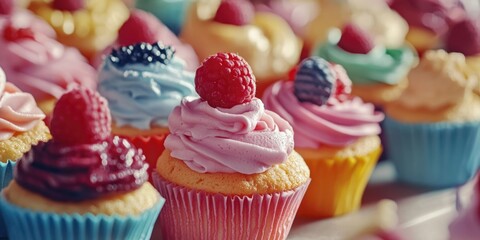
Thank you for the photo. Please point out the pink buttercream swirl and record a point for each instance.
(337, 123)
(18, 110)
(245, 138)
(40, 65)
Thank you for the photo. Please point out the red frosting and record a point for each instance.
(87, 165)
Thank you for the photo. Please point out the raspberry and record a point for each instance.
(81, 116)
(139, 27)
(225, 80)
(464, 37)
(235, 12)
(11, 33)
(355, 40)
(343, 82)
(143, 53)
(6, 7)
(68, 5)
(315, 81)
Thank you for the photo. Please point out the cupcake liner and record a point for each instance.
(192, 214)
(27, 224)
(6, 175)
(337, 184)
(434, 154)
(152, 147)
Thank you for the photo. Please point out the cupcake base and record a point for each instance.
(338, 182)
(192, 214)
(6, 175)
(435, 155)
(27, 224)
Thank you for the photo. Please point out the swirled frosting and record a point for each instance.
(434, 15)
(18, 110)
(338, 123)
(245, 138)
(24, 18)
(81, 172)
(380, 65)
(441, 79)
(142, 96)
(268, 43)
(41, 65)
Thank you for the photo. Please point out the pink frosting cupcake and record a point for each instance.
(35, 62)
(466, 226)
(142, 26)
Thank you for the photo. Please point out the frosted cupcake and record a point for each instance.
(228, 170)
(265, 40)
(88, 25)
(144, 27)
(335, 133)
(36, 63)
(378, 73)
(82, 184)
(373, 16)
(171, 12)
(143, 83)
(433, 128)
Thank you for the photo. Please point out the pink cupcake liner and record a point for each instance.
(192, 214)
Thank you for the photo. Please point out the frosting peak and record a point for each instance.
(18, 110)
(441, 79)
(206, 138)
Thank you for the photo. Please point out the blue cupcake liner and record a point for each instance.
(6, 175)
(435, 155)
(27, 224)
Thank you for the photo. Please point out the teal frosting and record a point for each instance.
(143, 95)
(380, 65)
(172, 13)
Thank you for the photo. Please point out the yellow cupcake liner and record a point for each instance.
(337, 184)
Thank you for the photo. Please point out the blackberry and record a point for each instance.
(314, 81)
(143, 53)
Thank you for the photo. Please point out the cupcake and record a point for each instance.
(228, 170)
(88, 25)
(263, 39)
(428, 20)
(373, 16)
(464, 37)
(144, 27)
(143, 83)
(466, 225)
(82, 184)
(36, 63)
(335, 133)
(433, 128)
(378, 73)
(172, 13)
(21, 126)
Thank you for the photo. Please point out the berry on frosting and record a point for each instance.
(464, 37)
(343, 83)
(314, 81)
(139, 27)
(81, 116)
(235, 12)
(355, 40)
(12, 33)
(68, 5)
(225, 80)
(6, 7)
(143, 53)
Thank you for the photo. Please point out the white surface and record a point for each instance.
(422, 214)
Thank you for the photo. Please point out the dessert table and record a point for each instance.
(422, 213)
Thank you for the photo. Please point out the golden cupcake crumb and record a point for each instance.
(14, 147)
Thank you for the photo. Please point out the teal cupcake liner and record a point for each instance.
(435, 155)
(27, 224)
(6, 175)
